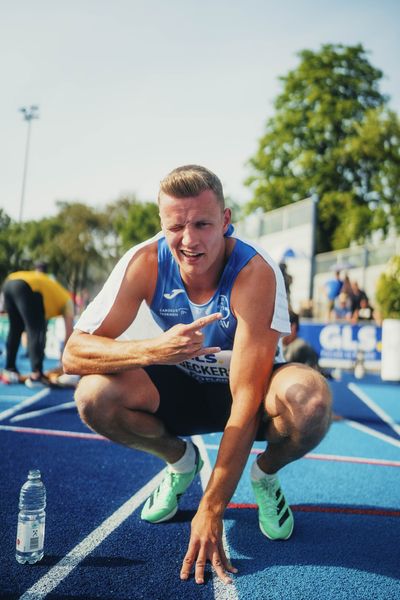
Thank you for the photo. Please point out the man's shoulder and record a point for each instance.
(256, 270)
(141, 263)
(256, 273)
(137, 269)
(143, 253)
(150, 244)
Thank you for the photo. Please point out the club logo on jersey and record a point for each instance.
(223, 307)
(175, 292)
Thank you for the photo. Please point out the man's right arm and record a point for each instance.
(87, 353)
(100, 351)
(92, 353)
(95, 348)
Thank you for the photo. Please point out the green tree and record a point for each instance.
(116, 213)
(78, 249)
(237, 209)
(136, 221)
(39, 242)
(388, 290)
(332, 134)
(14, 253)
(4, 244)
(70, 242)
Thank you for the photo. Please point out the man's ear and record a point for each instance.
(227, 218)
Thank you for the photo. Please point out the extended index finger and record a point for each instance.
(203, 321)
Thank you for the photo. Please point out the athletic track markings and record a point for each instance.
(222, 591)
(43, 411)
(372, 432)
(374, 407)
(96, 437)
(63, 568)
(28, 402)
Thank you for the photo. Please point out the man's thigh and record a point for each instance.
(188, 407)
(132, 389)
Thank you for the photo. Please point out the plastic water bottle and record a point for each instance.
(31, 519)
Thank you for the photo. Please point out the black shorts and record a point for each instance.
(188, 407)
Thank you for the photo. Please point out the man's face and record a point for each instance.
(194, 229)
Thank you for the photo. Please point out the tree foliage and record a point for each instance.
(80, 244)
(332, 134)
(388, 290)
(136, 222)
(77, 248)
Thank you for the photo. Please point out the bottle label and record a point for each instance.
(30, 536)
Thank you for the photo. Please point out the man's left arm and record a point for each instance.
(253, 301)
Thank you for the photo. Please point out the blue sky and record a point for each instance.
(130, 89)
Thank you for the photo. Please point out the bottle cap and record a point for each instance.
(34, 474)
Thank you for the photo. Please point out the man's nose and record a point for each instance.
(189, 236)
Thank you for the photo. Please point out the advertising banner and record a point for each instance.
(338, 344)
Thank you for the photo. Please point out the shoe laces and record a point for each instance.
(171, 478)
(269, 487)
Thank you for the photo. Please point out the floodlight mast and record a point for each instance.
(29, 114)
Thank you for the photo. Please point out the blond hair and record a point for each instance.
(189, 181)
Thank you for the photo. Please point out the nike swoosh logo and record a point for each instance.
(174, 293)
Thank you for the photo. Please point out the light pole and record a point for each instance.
(29, 114)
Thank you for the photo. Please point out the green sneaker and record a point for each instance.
(162, 505)
(274, 515)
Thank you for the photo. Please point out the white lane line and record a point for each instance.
(372, 432)
(354, 459)
(28, 402)
(374, 407)
(43, 411)
(62, 569)
(222, 591)
(10, 397)
(334, 457)
(54, 432)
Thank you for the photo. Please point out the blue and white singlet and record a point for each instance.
(171, 305)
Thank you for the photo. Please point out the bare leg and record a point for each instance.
(120, 407)
(298, 414)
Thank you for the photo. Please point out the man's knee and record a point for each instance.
(102, 399)
(305, 399)
(95, 399)
(318, 409)
(313, 410)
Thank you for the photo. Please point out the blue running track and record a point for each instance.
(345, 496)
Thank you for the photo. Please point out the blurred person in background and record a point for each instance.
(295, 349)
(288, 279)
(347, 286)
(357, 294)
(364, 312)
(332, 290)
(31, 298)
(341, 308)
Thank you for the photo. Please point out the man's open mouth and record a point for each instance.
(189, 254)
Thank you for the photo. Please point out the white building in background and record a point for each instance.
(288, 235)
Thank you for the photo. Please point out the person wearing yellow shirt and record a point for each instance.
(31, 298)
